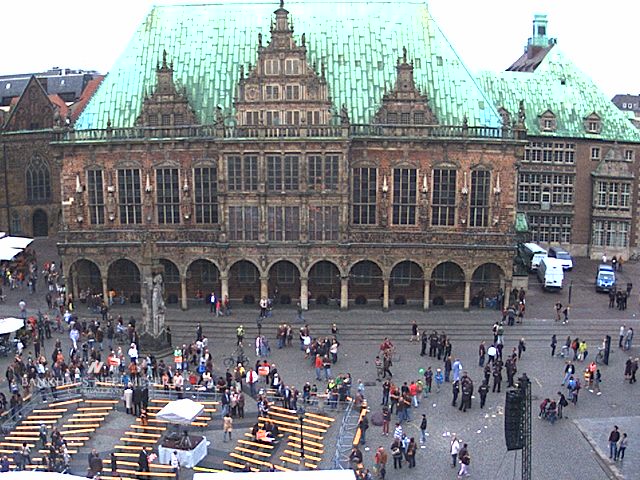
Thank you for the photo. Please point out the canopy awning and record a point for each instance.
(10, 325)
(15, 242)
(8, 253)
(182, 412)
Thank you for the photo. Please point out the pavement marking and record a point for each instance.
(537, 381)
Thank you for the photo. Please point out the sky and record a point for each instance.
(599, 37)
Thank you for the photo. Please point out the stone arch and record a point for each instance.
(244, 281)
(406, 282)
(324, 282)
(84, 274)
(486, 281)
(203, 277)
(284, 282)
(447, 284)
(366, 282)
(171, 279)
(124, 277)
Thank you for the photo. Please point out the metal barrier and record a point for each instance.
(345, 438)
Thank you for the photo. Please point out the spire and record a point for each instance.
(282, 19)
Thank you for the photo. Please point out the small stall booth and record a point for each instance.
(191, 449)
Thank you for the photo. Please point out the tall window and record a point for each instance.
(283, 223)
(283, 173)
(129, 196)
(242, 173)
(38, 180)
(529, 188)
(548, 152)
(404, 196)
(168, 195)
(364, 196)
(444, 197)
(322, 172)
(613, 195)
(610, 233)
(205, 186)
(96, 197)
(323, 223)
(479, 202)
(243, 223)
(550, 228)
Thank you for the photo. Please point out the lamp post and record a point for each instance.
(301, 418)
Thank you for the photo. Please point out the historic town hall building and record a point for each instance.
(354, 159)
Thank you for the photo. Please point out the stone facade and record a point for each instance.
(30, 172)
(290, 200)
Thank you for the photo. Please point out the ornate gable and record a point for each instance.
(613, 165)
(405, 104)
(166, 107)
(282, 89)
(33, 111)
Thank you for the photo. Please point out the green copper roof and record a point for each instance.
(557, 85)
(359, 44)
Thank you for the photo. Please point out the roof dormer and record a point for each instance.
(593, 124)
(548, 122)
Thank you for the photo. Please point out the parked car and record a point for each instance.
(562, 255)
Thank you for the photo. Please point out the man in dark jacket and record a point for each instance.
(137, 401)
(143, 461)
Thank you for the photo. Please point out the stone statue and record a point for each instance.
(344, 115)
(157, 303)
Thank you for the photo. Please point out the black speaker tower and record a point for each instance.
(517, 422)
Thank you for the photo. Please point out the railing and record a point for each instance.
(345, 439)
(282, 131)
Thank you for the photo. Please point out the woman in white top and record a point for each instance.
(455, 448)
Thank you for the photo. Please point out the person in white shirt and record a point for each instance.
(455, 448)
(175, 463)
(622, 332)
(133, 353)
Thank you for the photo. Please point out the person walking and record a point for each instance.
(483, 390)
(554, 342)
(423, 429)
(482, 353)
(465, 460)
(396, 453)
(622, 446)
(455, 448)
(381, 458)
(622, 331)
(410, 454)
(614, 438)
(227, 426)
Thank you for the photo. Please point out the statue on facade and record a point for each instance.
(344, 115)
(158, 308)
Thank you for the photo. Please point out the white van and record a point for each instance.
(536, 253)
(550, 273)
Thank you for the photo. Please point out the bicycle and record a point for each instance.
(235, 358)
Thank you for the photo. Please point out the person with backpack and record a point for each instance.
(562, 402)
(465, 460)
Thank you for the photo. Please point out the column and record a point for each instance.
(264, 286)
(183, 292)
(427, 294)
(344, 293)
(385, 295)
(224, 285)
(74, 286)
(304, 292)
(105, 290)
(507, 293)
(467, 294)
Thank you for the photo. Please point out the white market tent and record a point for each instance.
(305, 475)
(8, 253)
(26, 475)
(181, 412)
(15, 242)
(10, 325)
